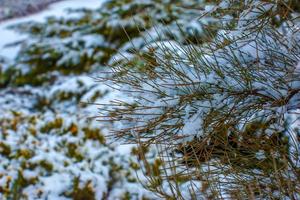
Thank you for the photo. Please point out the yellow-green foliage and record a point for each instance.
(94, 134)
(81, 193)
(56, 124)
(17, 186)
(5, 149)
(73, 152)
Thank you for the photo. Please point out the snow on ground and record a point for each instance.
(56, 9)
(47, 144)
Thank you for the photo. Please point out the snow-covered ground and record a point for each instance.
(56, 9)
(47, 142)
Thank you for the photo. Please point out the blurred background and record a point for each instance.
(16, 8)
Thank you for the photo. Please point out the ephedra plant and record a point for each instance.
(221, 113)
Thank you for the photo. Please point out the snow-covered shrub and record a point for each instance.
(207, 95)
(223, 114)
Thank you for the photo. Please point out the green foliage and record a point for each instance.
(94, 134)
(5, 149)
(85, 193)
(56, 124)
